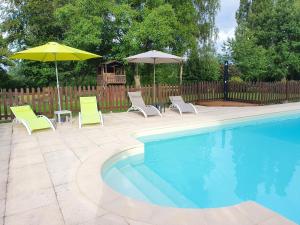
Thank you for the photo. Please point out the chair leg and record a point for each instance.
(101, 118)
(79, 120)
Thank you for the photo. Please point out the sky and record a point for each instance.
(225, 21)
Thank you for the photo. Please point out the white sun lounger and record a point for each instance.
(138, 104)
(183, 107)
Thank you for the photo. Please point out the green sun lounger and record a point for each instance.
(89, 113)
(27, 117)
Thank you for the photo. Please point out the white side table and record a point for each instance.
(58, 115)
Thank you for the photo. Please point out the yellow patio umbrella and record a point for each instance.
(54, 52)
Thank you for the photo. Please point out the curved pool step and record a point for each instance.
(122, 184)
(178, 198)
(152, 192)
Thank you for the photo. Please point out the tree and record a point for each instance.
(243, 11)
(202, 65)
(4, 62)
(202, 60)
(6, 81)
(30, 23)
(113, 29)
(157, 30)
(252, 60)
(266, 46)
(174, 26)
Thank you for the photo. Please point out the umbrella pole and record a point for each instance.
(181, 71)
(154, 84)
(57, 84)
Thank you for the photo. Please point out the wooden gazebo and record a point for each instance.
(111, 73)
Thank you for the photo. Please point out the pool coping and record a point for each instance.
(92, 186)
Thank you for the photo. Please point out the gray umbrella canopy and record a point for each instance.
(155, 57)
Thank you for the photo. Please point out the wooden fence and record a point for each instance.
(264, 92)
(112, 98)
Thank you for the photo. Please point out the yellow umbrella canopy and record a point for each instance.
(54, 52)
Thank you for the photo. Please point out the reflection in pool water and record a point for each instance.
(257, 161)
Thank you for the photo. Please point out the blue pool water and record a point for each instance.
(221, 166)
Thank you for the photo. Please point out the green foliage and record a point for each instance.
(6, 81)
(156, 31)
(202, 65)
(267, 43)
(30, 22)
(113, 29)
(236, 79)
(81, 23)
(4, 53)
(251, 60)
(27, 24)
(243, 12)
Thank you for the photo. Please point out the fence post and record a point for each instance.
(286, 90)
(158, 93)
(225, 78)
(260, 90)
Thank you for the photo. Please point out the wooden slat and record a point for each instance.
(5, 104)
(1, 104)
(10, 102)
(44, 101)
(39, 104)
(66, 98)
(99, 98)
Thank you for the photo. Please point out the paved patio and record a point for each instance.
(53, 178)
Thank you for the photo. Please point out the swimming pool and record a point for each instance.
(215, 167)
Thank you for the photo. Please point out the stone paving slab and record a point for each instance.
(28, 179)
(5, 151)
(107, 219)
(2, 207)
(44, 215)
(29, 201)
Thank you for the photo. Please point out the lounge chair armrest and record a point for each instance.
(193, 107)
(176, 106)
(151, 106)
(49, 121)
(136, 108)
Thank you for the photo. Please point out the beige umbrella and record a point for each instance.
(156, 57)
